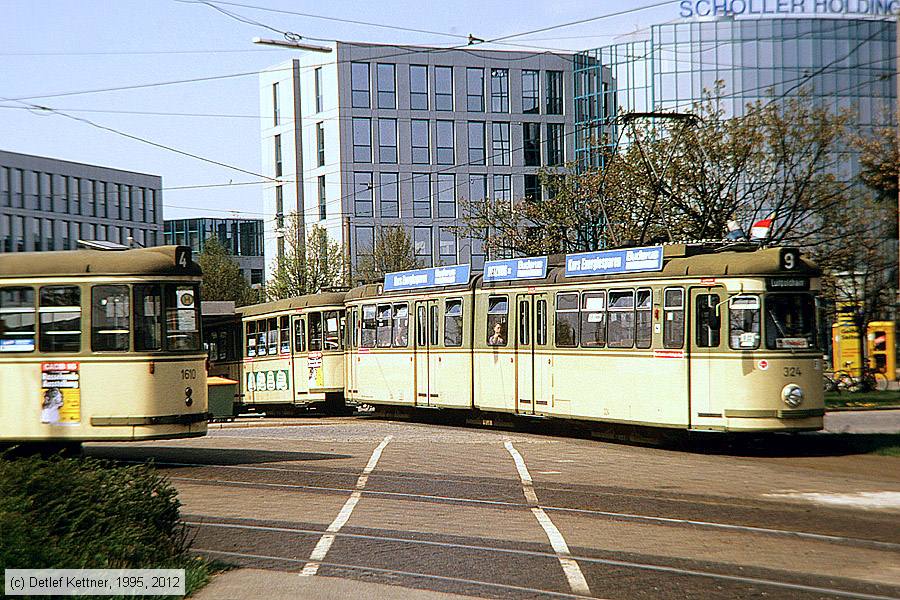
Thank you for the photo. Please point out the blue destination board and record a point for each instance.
(515, 268)
(425, 278)
(606, 262)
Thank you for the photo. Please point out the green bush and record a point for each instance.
(82, 513)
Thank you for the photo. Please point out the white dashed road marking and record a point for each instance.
(324, 544)
(570, 567)
(876, 500)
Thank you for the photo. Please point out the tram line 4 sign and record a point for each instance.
(607, 262)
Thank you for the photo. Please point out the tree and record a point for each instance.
(222, 278)
(393, 251)
(880, 161)
(308, 264)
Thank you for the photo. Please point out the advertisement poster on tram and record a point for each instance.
(60, 393)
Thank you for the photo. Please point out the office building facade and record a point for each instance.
(841, 63)
(372, 136)
(49, 204)
(241, 238)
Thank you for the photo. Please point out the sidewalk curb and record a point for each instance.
(862, 408)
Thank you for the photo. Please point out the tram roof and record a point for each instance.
(157, 260)
(308, 301)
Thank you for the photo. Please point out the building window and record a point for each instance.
(362, 140)
(279, 167)
(500, 90)
(532, 187)
(421, 186)
(418, 87)
(477, 254)
(359, 85)
(318, 89)
(6, 235)
(475, 89)
(365, 244)
(422, 245)
(531, 90)
(387, 141)
(446, 195)
(554, 92)
(447, 246)
(443, 88)
(444, 143)
(555, 156)
(363, 203)
(320, 144)
(387, 86)
(276, 120)
(323, 210)
(531, 143)
(476, 142)
(500, 149)
(389, 189)
(279, 206)
(477, 188)
(5, 199)
(503, 189)
(419, 137)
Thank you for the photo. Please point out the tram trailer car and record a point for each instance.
(294, 355)
(693, 338)
(101, 345)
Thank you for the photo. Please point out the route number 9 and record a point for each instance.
(790, 259)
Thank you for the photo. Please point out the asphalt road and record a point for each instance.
(499, 514)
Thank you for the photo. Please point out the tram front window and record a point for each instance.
(17, 312)
(182, 320)
(147, 317)
(790, 321)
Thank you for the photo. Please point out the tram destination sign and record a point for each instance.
(515, 268)
(426, 278)
(608, 262)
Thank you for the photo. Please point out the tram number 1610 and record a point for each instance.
(189, 374)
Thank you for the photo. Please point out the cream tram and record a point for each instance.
(101, 345)
(679, 336)
(294, 354)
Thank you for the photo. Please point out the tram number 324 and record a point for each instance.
(189, 373)
(792, 372)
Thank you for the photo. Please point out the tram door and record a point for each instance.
(707, 314)
(532, 365)
(426, 355)
(301, 373)
(350, 355)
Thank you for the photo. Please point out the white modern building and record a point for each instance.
(371, 136)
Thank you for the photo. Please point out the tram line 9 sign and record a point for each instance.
(607, 262)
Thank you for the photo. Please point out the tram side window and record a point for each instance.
(110, 313)
(383, 331)
(673, 318)
(147, 317)
(453, 323)
(60, 316)
(434, 325)
(567, 320)
(621, 319)
(284, 328)
(643, 335)
(315, 331)
(332, 330)
(261, 338)
(401, 325)
(182, 318)
(708, 322)
(593, 319)
(299, 336)
(743, 322)
(497, 320)
(272, 335)
(17, 319)
(540, 317)
(790, 321)
(368, 326)
(251, 338)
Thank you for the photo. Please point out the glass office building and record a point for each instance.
(242, 239)
(838, 62)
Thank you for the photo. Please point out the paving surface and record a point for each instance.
(343, 507)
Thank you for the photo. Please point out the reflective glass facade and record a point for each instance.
(242, 239)
(841, 63)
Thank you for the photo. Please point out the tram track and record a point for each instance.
(621, 516)
(658, 566)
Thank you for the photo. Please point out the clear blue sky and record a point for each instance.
(61, 46)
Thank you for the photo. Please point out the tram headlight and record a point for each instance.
(792, 394)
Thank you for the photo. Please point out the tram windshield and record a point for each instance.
(790, 321)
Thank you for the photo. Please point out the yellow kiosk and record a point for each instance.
(880, 342)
